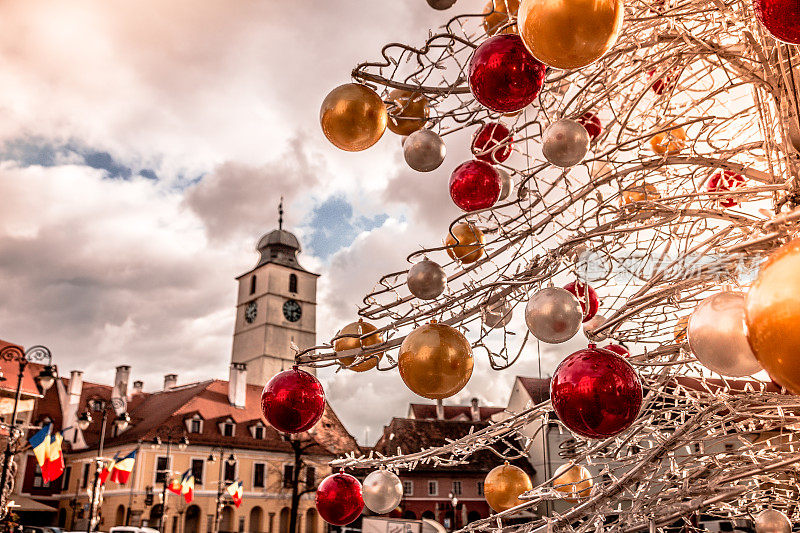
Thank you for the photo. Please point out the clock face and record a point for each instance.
(251, 312)
(292, 310)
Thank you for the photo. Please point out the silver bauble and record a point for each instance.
(506, 183)
(441, 5)
(553, 315)
(717, 336)
(496, 313)
(565, 143)
(426, 280)
(424, 150)
(772, 521)
(382, 491)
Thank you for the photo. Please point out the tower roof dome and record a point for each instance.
(279, 246)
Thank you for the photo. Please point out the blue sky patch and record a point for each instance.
(334, 226)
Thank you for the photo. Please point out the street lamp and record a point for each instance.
(45, 380)
(231, 460)
(170, 435)
(121, 421)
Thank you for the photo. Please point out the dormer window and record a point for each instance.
(194, 424)
(257, 430)
(228, 427)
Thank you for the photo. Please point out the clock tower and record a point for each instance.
(276, 307)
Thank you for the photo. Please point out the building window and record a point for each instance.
(252, 284)
(433, 488)
(258, 431)
(66, 478)
(197, 470)
(162, 467)
(38, 482)
(292, 283)
(480, 488)
(456, 488)
(311, 475)
(408, 488)
(85, 476)
(241, 525)
(288, 475)
(230, 472)
(259, 475)
(196, 424)
(227, 428)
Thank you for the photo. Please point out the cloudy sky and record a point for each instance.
(145, 146)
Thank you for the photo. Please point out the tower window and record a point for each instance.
(292, 283)
(252, 284)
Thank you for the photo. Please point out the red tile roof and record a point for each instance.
(10, 371)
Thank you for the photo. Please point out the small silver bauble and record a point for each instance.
(441, 5)
(382, 491)
(772, 521)
(565, 143)
(424, 150)
(717, 336)
(496, 313)
(426, 280)
(506, 183)
(553, 315)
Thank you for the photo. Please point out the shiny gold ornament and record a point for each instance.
(408, 112)
(353, 117)
(435, 361)
(503, 485)
(668, 142)
(350, 343)
(639, 193)
(772, 315)
(467, 246)
(574, 481)
(497, 14)
(569, 34)
(679, 332)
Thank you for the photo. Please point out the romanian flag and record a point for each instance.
(123, 468)
(54, 460)
(187, 486)
(40, 443)
(235, 489)
(107, 468)
(174, 484)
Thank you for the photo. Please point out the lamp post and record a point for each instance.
(231, 460)
(45, 380)
(170, 435)
(121, 421)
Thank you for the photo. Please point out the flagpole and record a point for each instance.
(173, 435)
(133, 482)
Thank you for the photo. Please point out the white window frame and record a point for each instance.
(255, 427)
(226, 422)
(194, 418)
(408, 487)
(235, 472)
(435, 485)
(205, 470)
(253, 483)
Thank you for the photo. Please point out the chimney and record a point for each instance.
(121, 381)
(439, 410)
(138, 386)
(75, 384)
(170, 380)
(475, 411)
(237, 385)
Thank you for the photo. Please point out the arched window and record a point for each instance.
(252, 284)
(292, 283)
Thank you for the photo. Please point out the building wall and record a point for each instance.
(471, 503)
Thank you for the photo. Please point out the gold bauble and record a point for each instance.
(435, 361)
(351, 343)
(497, 14)
(503, 485)
(772, 315)
(574, 481)
(569, 34)
(639, 193)
(467, 246)
(679, 332)
(353, 117)
(668, 142)
(408, 112)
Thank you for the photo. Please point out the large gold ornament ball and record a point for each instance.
(353, 117)
(498, 13)
(467, 245)
(349, 343)
(408, 112)
(435, 361)
(503, 485)
(772, 315)
(668, 142)
(569, 34)
(574, 481)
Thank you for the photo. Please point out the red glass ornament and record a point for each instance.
(592, 123)
(596, 393)
(503, 75)
(492, 143)
(339, 500)
(587, 296)
(725, 180)
(293, 401)
(617, 349)
(474, 185)
(665, 83)
(781, 18)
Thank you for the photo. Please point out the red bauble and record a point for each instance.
(725, 180)
(503, 75)
(293, 401)
(339, 499)
(617, 349)
(587, 296)
(474, 185)
(592, 123)
(492, 143)
(781, 18)
(596, 393)
(665, 83)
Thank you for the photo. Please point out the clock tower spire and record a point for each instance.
(276, 307)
